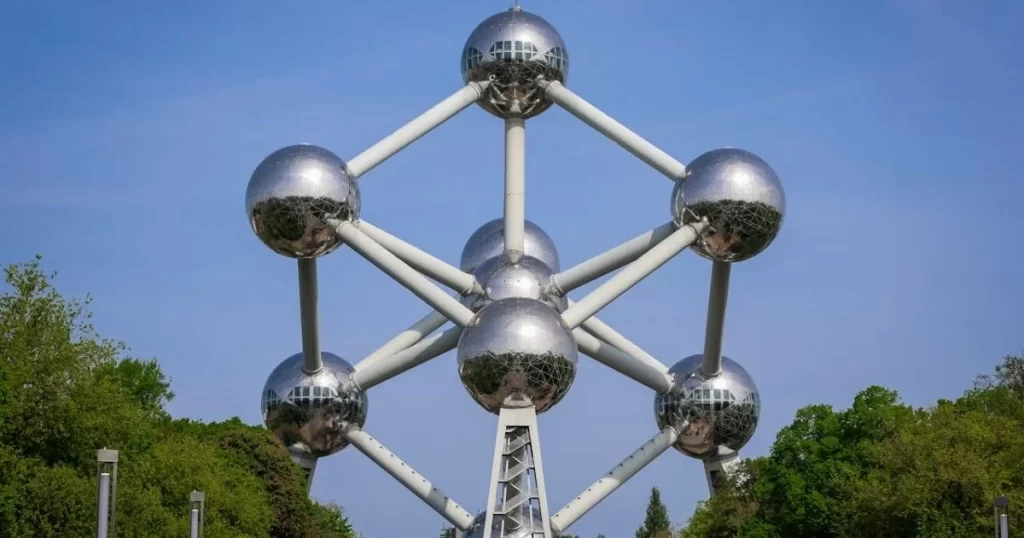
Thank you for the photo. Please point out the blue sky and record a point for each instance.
(129, 132)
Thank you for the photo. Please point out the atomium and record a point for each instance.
(293, 194)
(309, 413)
(517, 349)
(709, 412)
(513, 50)
(741, 197)
(516, 335)
(488, 242)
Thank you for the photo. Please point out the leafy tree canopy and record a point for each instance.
(882, 468)
(65, 392)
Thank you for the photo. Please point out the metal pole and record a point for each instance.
(103, 506)
(610, 260)
(618, 133)
(428, 324)
(369, 373)
(605, 486)
(631, 274)
(197, 500)
(311, 360)
(412, 131)
(515, 184)
(429, 265)
(610, 336)
(409, 478)
(657, 379)
(717, 300)
(194, 524)
(403, 274)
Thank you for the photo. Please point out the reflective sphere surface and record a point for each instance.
(516, 348)
(741, 197)
(709, 412)
(501, 278)
(291, 196)
(309, 413)
(513, 49)
(488, 241)
(530, 516)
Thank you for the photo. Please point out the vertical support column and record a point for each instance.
(197, 513)
(720, 468)
(718, 297)
(517, 495)
(106, 503)
(306, 461)
(515, 184)
(311, 361)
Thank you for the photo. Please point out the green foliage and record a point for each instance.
(65, 392)
(881, 468)
(656, 523)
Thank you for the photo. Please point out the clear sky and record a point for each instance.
(128, 133)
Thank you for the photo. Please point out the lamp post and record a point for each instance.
(1002, 517)
(197, 513)
(106, 505)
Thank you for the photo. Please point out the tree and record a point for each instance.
(65, 391)
(880, 468)
(656, 523)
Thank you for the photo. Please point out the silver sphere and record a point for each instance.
(309, 413)
(501, 278)
(533, 525)
(709, 412)
(515, 349)
(293, 194)
(514, 49)
(741, 197)
(488, 241)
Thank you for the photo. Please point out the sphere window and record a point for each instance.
(519, 51)
(471, 58)
(556, 58)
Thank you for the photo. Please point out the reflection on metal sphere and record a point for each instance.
(516, 348)
(513, 49)
(291, 196)
(532, 525)
(709, 412)
(502, 278)
(741, 197)
(488, 241)
(309, 413)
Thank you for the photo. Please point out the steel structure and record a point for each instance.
(516, 332)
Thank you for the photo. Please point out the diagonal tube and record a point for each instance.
(416, 483)
(430, 323)
(657, 379)
(412, 131)
(609, 260)
(403, 274)
(618, 133)
(631, 274)
(605, 486)
(606, 334)
(429, 265)
(373, 371)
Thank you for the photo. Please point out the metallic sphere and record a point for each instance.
(741, 197)
(530, 516)
(309, 413)
(294, 193)
(515, 349)
(514, 49)
(709, 412)
(501, 278)
(488, 241)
